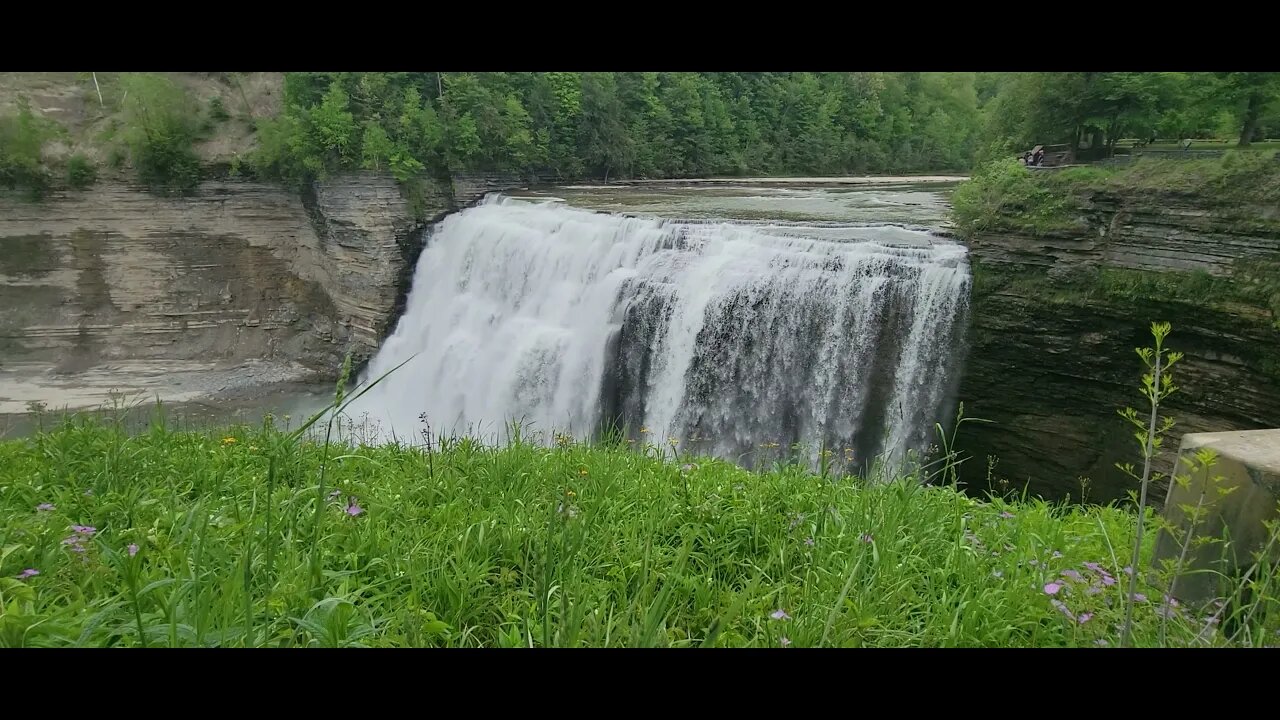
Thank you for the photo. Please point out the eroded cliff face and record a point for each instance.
(1052, 354)
(238, 285)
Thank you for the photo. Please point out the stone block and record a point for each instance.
(1248, 465)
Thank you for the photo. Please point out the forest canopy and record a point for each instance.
(566, 125)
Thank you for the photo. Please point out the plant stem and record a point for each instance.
(1149, 451)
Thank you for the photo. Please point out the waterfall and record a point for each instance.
(724, 336)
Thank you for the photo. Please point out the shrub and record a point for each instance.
(1005, 193)
(81, 172)
(161, 130)
(217, 111)
(22, 138)
(167, 167)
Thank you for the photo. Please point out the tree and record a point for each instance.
(1253, 92)
(334, 126)
(603, 141)
(375, 147)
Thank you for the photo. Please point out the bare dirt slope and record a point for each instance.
(91, 113)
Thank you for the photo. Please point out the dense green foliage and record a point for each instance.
(81, 172)
(1101, 108)
(161, 128)
(22, 139)
(1006, 195)
(570, 125)
(523, 545)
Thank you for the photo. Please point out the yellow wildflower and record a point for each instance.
(228, 441)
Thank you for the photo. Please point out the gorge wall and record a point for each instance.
(1053, 337)
(262, 283)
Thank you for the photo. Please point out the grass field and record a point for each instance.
(198, 539)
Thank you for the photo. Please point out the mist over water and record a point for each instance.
(729, 333)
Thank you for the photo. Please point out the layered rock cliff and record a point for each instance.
(252, 280)
(1056, 318)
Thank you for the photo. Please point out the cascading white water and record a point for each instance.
(735, 335)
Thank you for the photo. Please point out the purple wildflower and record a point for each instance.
(1108, 580)
(1093, 590)
(784, 641)
(799, 518)
(779, 614)
(808, 541)
(334, 494)
(353, 509)
(1096, 568)
(1139, 597)
(1006, 514)
(46, 507)
(1084, 617)
(1056, 555)
(84, 529)
(133, 549)
(1128, 570)
(1100, 642)
(866, 538)
(1072, 575)
(1062, 608)
(1052, 588)
(29, 572)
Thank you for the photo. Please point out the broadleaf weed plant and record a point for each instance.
(1157, 385)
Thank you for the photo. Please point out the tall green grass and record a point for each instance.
(238, 541)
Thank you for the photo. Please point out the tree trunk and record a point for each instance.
(1096, 144)
(1113, 130)
(1251, 119)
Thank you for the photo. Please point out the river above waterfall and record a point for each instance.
(916, 205)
